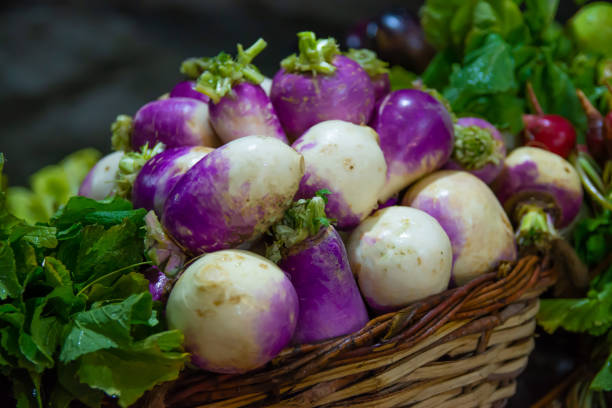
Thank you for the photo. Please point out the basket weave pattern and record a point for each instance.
(461, 348)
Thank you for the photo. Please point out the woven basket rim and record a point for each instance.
(475, 309)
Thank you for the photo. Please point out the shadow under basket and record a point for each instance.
(461, 348)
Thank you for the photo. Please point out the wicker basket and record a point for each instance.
(461, 348)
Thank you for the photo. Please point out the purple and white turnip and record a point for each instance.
(101, 180)
(479, 230)
(377, 70)
(159, 175)
(238, 105)
(345, 159)
(416, 137)
(399, 255)
(175, 122)
(237, 310)
(478, 148)
(540, 191)
(233, 194)
(310, 251)
(320, 84)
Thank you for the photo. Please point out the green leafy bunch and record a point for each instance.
(488, 49)
(76, 318)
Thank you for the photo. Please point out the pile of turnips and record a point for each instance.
(311, 202)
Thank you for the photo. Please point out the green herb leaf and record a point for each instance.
(9, 283)
(591, 314)
(127, 373)
(79, 207)
(485, 71)
(593, 238)
(603, 379)
(400, 78)
(51, 187)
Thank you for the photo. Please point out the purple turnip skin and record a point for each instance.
(101, 179)
(159, 284)
(160, 174)
(479, 230)
(416, 136)
(330, 302)
(302, 100)
(489, 171)
(187, 89)
(233, 194)
(382, 86)
(245, 111)
(175, 122)
(236, 309)
(531, 171)
(343, 158)
(399, 255)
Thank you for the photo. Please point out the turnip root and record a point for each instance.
(399, 255)
(479, 230)
(236, 309)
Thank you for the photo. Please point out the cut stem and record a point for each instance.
(130, 165)
(369, 61)
(536, 227)
(121, 130)
(474, 147)
(216, 76)
(315, 56)
(302, 220)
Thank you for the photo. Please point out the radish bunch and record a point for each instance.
(236, 166)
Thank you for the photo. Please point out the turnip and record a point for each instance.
(175, 122)
(130, 165)
(345, 159)
(238, 105)
(319, 84)
(236, 309)
(540, 191)
(479, 230)
(100, 182)
(187, 89)
(399, 255)
(233, 194)
(416, 137)
(478, 148)
(312, 254)
(159, 175)
(376, 69)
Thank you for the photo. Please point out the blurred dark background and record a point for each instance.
(67, 68)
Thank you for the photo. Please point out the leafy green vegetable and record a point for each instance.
(76, 318)
(591, 314)
(593, 242)
(51, 187)
(485, 70)
(400, 78)
(593, 238)
(489, 50)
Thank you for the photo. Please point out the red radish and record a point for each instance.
(550, 132)
(599, 135)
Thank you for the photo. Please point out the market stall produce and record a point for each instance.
(353, 236)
